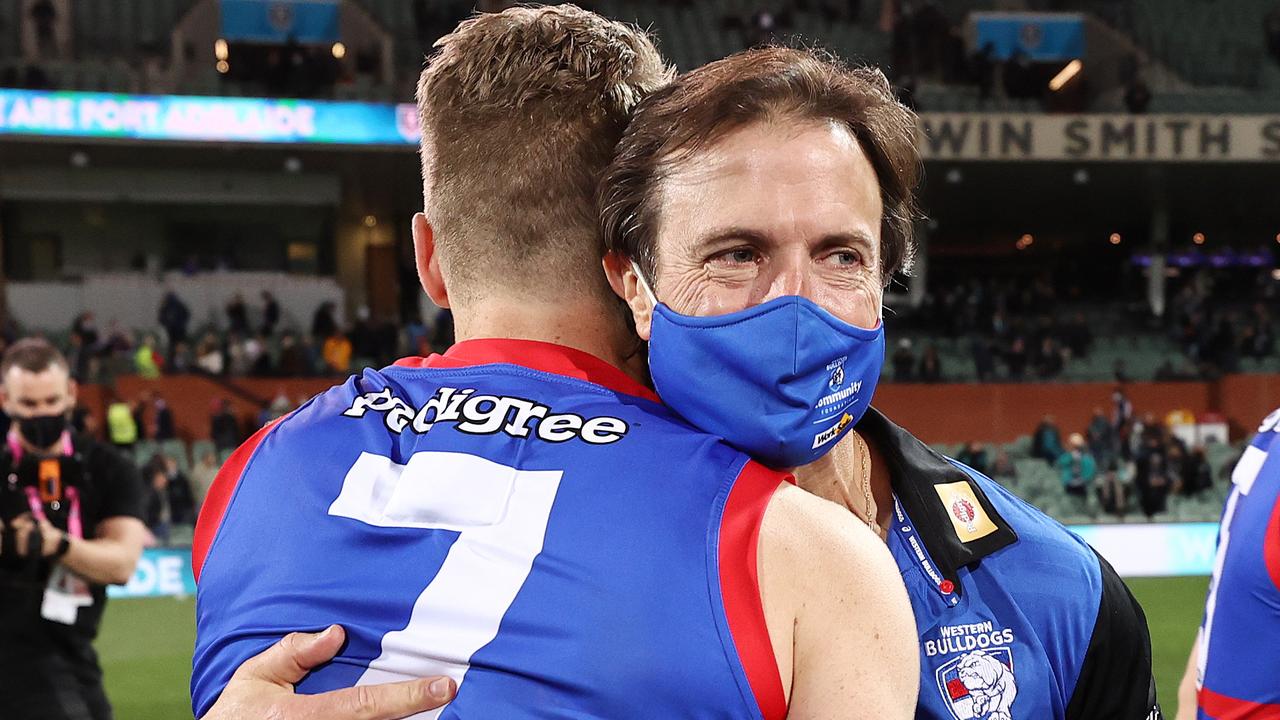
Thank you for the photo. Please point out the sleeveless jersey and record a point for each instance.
(1239, 662)
(520, 516)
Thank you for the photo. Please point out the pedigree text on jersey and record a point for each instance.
(486, 415)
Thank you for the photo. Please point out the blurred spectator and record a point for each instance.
(1077, 336)
(122, 429)
(974, 455)
(147, 361)
(363, 343)
(238, 362)
(1003, 469)
(270, 313)
(209, 356)
(202, 477)
(293, 358)
(224, 428)
(1015, 358)
(138, 408)
(1046, 441)
(1103, 440)
(1152, 477)
(86, 327)
(259, 356)
(182, 361)
(1113, 489)
(174, 316)
(159, 512)
(1077, 468)
(323, 324)
(930, 366)
(904, 362)
(337, 354)
(278, 407)
(984, 363)
(1122, 408)
(237, 316)
(163, 419)
(1049, 361)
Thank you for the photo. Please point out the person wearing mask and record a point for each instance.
(610, 533)
(70, 524)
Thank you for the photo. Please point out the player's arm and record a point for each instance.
(855, 651)
(1187, 688)
(1115, 679)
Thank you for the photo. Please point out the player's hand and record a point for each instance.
(263, 687)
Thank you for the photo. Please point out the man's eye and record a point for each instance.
(846, 258)
(737, 256)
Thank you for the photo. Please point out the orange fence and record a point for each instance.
(950, 413)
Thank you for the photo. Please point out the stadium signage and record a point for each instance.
(1115, 138)
(205, 119)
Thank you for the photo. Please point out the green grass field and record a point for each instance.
(146, 646)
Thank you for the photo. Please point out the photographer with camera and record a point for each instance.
(70, 524)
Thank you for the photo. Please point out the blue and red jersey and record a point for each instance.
(1239, 661)
(518, 515)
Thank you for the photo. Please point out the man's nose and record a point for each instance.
(792, 276)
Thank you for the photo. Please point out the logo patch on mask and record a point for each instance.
(968, 518)
(832, 432)
(979, 685)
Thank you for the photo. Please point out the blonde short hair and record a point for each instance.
(520, 111)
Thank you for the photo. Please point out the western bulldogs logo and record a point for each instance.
(963, 511)
(980, 685)
(837, 377)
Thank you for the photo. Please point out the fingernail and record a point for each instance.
(328, 632)
(441, 687)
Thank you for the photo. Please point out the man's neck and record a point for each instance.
(586, 325)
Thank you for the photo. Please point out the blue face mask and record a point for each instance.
(782, 381)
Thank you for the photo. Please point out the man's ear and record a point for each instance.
(624, 281)
(72, 389)
(428, 261)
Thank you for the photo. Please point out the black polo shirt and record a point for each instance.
(109, 486)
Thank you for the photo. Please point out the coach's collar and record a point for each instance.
(930, 489)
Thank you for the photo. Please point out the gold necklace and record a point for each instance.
(864, 453)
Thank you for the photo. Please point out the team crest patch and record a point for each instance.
(979, 685)
(967, 516)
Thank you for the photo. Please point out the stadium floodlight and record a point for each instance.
(1198, 238)
(339, 51)
(220, 49)
(1065, 75)
(1115, 238)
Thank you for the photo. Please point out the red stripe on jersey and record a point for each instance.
(1271, 545)
(1221, 707)
(220, 492)
(740, 585)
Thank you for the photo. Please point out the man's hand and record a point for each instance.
(25, 525)
(263, 687)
